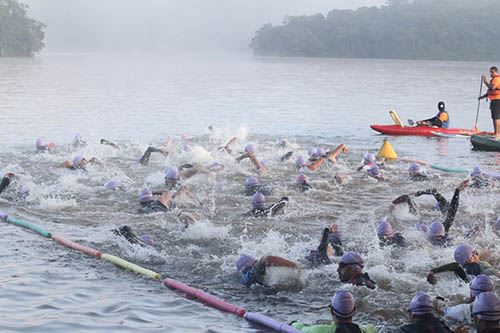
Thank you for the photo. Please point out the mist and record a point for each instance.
(193, 26)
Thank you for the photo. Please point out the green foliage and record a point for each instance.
(20, 36)
(419, 29)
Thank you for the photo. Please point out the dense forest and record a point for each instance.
(403, 29)
(20, 36)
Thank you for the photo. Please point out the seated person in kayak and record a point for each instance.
(441, 120)
(253, 271)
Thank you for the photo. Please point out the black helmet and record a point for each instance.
(441, 106)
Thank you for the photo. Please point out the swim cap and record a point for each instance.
(77, 161)
(145, 195)
(312, 151)
(497, 224)
(482, 283)
(486, 306)
(40, 144)
(216, 165)
(320, 152)
(476, 172)
(283, 142)
(258, 200)
(148, 239)
(250, 148)
(463, 253)
(172, 173)
(300, 162)
(436, 229)
(244, 261)
(301, 178)
(369, 159)
(373, 171)
(251, 181)
(421, 227)
(384, 229)
(343, 304)
(414, 168)
(436, 206)
(421, 304)
(111, 185)
(352, 258)
(441, 106)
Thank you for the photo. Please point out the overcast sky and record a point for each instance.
(168, 25)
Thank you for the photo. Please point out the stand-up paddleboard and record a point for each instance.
(447, 135)
(485, 142)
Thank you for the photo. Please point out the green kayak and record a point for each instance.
(485, 142)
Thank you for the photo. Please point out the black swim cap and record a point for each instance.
(441, 106)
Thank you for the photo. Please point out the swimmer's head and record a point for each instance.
(486, 306)
(79, 162)
(111, 185)
(320, 152)
(251, 148)
(463, 254)
(172, 174)
(384, 230)
(369, 159)
(482, 283)
(374, 171)
(343, 305)
(245, 261)
(251, 182)
(312, 152)
(437, 206)
(148, 239)
(301, 179)
(497, 224)
(351, 264)
(352, 258)
(258, 201)
(436, 229)
(283, 142)
(40, 144)
(145, 196)
(421, 227)
(421, 305)
(476, 172)
(300, 162)
(414, 169)
(441, 106)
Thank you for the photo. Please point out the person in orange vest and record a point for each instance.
(493, 94)
(441, 120)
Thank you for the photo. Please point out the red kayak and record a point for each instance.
(419, 130)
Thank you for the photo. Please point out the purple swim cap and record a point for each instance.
(414, 168)
(476, 172)
(373, 171)
(300, 162)
(251, 148)
(312, 151)
(320, 152)
(145, 195)
(482, 283)
(352, 258)
(258, 201)
(77, 161)
(172, 173)
(497, 224)
(369, 159)
(421, 227)
(40, 144)
(421, 304)
(436, 229)
(244, 261)
(436, 206)
(251, 181)
(343, 304)
(384, 229)
(148, 239)
(301, 178)
(486, 306)
(111, 185)
(463, 253)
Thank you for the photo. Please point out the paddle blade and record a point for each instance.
(476, 130)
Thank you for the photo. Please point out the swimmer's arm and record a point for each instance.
(452, 211)
(342, 148)
(323, 245)
(242, 157)
(452, 267)
(277, 261)
(65, 164)
(95, 160)
(165, 198)
(256, 162)
(316, 164)
(190, 172)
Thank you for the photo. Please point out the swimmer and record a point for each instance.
(467, 264)
(259, 208)
(462, 312)
(350, 270)
(79, 163)
(421, 318)
(41, 146)
(374, 172)
(126, 232)
(78, 141)
(252, 186)
(228, 145)
(387, 237)
(285, 157)
(486, 313)
(301, 183)
(323, 156)
(187, 170)
(335, 241)
(250, 153)
(144, 160)
(342, 309)
(300, 162)
(109, 143)
(6, 180)
(321, 255)
(416, 173)
(112, 185)
(283, 143)
(253, 271)
(480, 180)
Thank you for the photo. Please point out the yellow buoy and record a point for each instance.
(386, 151)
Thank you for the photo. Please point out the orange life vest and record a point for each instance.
(494, 94)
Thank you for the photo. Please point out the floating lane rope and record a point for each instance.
(271, 323)
(442, 168)
(30, 226)
(128, 265)
(78, 247)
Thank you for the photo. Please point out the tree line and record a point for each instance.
(20, 36)
(402, 29)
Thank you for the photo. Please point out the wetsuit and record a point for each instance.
(286, 157)
(126, 231)
(479, 182)
(425, 323)
(5, 183)
(473, 269)
(144, 160)
(319, 256)
(443, 203)
(440, 120)
(419, 177)
(396, 239)
(336, 243)
(153, 207)
(450, 216)
(302, 187)
(332, 328)
(406, 198)
(264, 189)
(272, 210)
(109, 143)
(490, 330)
(363, 280)
(254, 274)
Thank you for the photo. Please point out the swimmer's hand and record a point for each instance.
(463, 185)
(462, 329)
(431, 278)
(284, 199)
